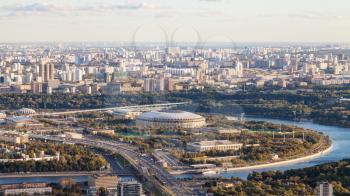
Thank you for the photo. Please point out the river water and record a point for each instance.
(55, 179)
(341, 150)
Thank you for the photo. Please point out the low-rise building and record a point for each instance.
(41, 157)
(129, 188)
(15, 138)
(73, 135)
(22, 121)
(110, 182)
(218, 145)
(26, 189)
(126, 114)
(228, 131)
(103, 131)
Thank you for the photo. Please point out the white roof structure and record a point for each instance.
(169, 115)
(25, 111)
(171, 119)
(213, 143)
(2, 115)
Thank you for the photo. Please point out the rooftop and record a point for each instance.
(213, 143)
(173, 115)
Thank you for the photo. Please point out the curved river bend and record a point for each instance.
(341, 147)
(341, 150)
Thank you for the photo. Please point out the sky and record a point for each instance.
(175, 21)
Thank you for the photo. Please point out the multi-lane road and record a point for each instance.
(144, 164)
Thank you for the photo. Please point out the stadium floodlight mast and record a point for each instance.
(281, 127)
(242, 117)
(295, 119)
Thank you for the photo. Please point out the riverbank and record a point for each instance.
(220, 170)
(282, 163)
(50, 174)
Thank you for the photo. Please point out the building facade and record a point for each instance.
(129, 188)
(215, 145)
(170, 119)
(324, 189)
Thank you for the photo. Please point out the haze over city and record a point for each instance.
(212, 20)
(175, 98)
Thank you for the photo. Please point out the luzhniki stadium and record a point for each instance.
(170, 119)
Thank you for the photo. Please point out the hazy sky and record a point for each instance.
(177, 20)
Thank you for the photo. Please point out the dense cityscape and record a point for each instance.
(174, 98)
(112, 70)
(156, 120)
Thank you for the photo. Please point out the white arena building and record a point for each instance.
(2, 115)
(170, 119)
(25, 112)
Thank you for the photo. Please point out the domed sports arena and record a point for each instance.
(25, 112)
(170, 119)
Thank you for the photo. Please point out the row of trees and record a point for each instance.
(281, 143)
(72, 158)
(322, 106)
(72, 101)
(291, 182)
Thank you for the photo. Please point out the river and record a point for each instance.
(340, 137)
(55, 179)
(341, 142)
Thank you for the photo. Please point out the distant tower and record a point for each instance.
(239, 69)
(149, 84)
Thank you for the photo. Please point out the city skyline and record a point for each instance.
(175, 98)
(176, 21)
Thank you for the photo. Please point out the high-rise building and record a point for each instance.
(149, 85)
(324, 189)
(168, 84)
(78, 75)
(46, 72)
(28, 78)
(160, 84)
(239, 69)
(37, 87)
(129, 188)
(173, 51)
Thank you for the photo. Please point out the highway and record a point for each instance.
(136, 107)
(142, 163)
(344, 100)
